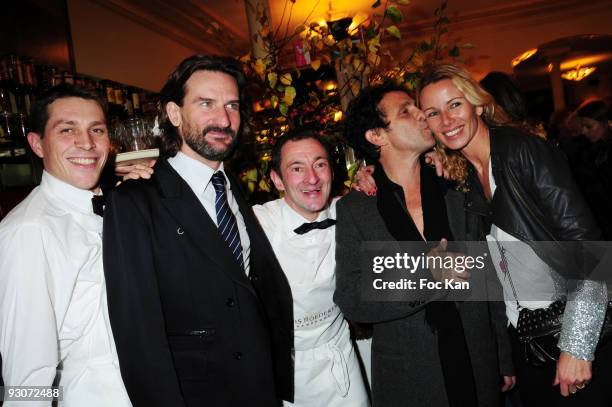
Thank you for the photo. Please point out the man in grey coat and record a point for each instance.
(428, 352)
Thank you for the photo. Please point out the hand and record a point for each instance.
(138, 170)
(123, 169)
(446, 273)
(509, 383)
(433, 158)
(572, 374)
(364, 182)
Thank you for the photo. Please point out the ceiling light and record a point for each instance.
(525, 55)
(579, 73)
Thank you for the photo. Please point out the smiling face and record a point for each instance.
(453, 120)
(407, 129)
(75, 144)
(306, 177)
(209, 119)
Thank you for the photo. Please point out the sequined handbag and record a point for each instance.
(539, 329)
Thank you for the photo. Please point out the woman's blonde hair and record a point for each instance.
(492, 113)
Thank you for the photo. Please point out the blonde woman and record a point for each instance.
(531, 196)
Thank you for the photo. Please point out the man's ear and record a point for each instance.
(277, 180)
(374, 137)
(174, 113)
(35, 142)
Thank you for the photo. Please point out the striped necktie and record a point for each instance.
(226, 221)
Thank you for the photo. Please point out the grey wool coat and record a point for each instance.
(406, 368)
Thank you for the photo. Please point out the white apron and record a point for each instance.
(326, 367)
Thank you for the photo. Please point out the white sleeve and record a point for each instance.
(28, 328)
(268, 215)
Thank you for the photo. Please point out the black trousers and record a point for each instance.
(535, 383)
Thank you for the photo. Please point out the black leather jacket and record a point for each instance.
(537, 199)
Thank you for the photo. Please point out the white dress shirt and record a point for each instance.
(198, 175)
(53, 298)
(304, 258)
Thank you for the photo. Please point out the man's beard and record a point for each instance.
(198, 143)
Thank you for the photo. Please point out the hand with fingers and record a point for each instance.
(434, 159)
(137, 170)
(438, 269)
(573, 374)
(508, 383)
(364, 181)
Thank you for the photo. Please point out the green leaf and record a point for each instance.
(454, 52)
(394, 13)
(286, 79)
(290, 94)
(283, 108)
(272, 77)
(290, 91)
(394, 32)
(376, 4)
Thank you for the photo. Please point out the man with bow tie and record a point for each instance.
(300, 229)
(53, 311)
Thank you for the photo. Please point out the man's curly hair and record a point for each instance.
(363, 114)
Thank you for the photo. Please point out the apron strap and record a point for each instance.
(339, 369)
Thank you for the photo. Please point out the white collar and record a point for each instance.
(292, 219)
(78, 198)
(195, 173)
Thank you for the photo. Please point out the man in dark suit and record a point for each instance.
(200, 310)
(427, 353)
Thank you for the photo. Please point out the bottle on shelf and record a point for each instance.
(30, 85)
(5, 103)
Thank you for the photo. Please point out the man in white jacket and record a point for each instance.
(54, 325)
(301, 232)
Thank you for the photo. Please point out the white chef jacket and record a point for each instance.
(198, 175)
(327, 371)
(53, 298)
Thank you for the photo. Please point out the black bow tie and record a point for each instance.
(98, 201)
(308, 226)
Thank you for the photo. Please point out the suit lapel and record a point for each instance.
(184, 206)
